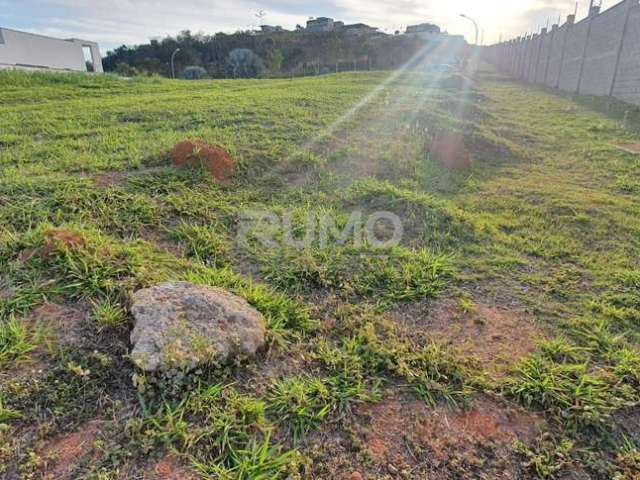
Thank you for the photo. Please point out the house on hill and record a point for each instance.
(358, 29)
(320, 24)
(271, 29)
(325, 24)
(28, 51)
(431, 32)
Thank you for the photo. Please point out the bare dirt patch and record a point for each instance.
(630, 148)
(197, 153)
(628, 423)
(497, 336)
(402, 437)
(54, 326)
(62, 324)
(55, 240)
(118, 178)
(449, 150)
(297, 179)
(170, 468)
(406, 433)
(109, 179)
(58, 238)
(65, 452)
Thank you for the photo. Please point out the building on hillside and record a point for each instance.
(431, 32)
(358, 29)
(29, 51)
(271, 29)
(324, 24)
(422, 29)
(320, 24)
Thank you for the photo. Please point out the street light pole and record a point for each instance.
(173, 56)
(475, 24)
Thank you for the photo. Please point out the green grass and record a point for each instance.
(16, 341)
(545, 222)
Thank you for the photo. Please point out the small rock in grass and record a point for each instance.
(180, 326)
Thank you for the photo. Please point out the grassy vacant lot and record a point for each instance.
(499, 339)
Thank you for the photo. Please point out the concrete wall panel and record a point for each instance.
(25, 50)
(536, 43)
(627, 86)
(602, 51)
(574, 51)
(555, 59)
(543, 58)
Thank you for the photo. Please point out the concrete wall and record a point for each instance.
(627, 84)
(534, 57)
(559, 36)
(600, 55)
(543, 58)
(602, 51)
(29, 51)
(573, 55)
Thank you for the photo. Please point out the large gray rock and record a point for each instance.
(180, 326)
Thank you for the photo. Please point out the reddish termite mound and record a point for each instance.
(213, 158)
(449, 149)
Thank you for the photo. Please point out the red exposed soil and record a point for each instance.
(497, 337)
(397, 429)
(64, 453)
(197, 153)
(401, 437)
(449, 150)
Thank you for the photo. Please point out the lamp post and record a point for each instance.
(476, 47)
(475, 24)
(173, 56)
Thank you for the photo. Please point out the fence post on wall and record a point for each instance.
(571, 19)
(554, 30)
(518, 57)
(592, 13)
(629, 5)
(532, 55)
(525, 74)
(525, 52)
(538, 53)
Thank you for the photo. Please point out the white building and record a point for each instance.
(432, 33)
(29, 51)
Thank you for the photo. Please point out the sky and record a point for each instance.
(117, 22)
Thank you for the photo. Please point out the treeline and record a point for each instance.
(246, 54)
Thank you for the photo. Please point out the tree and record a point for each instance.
(126, 70)
(274, 61)
(244, 63)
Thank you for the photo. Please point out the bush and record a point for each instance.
(194, 73)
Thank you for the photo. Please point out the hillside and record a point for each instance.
(500, 337)
(248, 55)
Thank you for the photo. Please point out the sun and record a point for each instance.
(494, 17)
